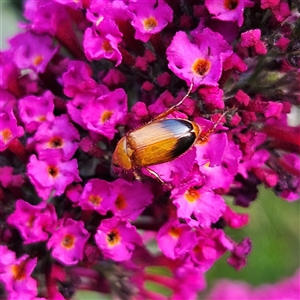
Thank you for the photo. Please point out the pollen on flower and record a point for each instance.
(191, 195)
(56, 142)
(68, 241)
(19, 271)
(175, 232)
(37, 60)
(106, 115)
(113, 237)
(231, 4)
(207, 164)
(31, 221)
(201, 66)
(120, 202)
(150, 23)
(95, 200)
(53, 171)
(42, 118)
(106, 46)
(6, 135)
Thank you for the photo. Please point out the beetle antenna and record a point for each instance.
(174, 107)
(210, 131)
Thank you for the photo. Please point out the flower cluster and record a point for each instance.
(95, 70)
(286, 289)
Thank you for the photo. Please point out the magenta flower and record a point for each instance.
(34, 223)
(131, 198)
(32, 51)
(15, 274)
(97, 195)
(117, 239)
(150, 17)
(51, 175)
(203, 65)
(58, 134)
(36, 110)
(9, 130)
(8, 179)
(67, 242)
(230, 10)
(101, 115)
(203, 204)
(286, 289)
(77, 78)
(175, 240)
(251, 38)
(101, 41)
(211, 244)
(81, 100)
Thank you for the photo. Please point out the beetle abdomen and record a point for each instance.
(161, 141)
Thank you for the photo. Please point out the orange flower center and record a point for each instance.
(68, 241)
(56, 142)
(19, 271)
(150, 23)
(31, 221)
(201, 66)
(53, 171)
(113, 237)
(41, 118)
(192, 195)
(106, 116)
(175, 232)
(231, 4)
(120, 202)
(106, 46)
(95, 200)
(6, 135)
(38, 60)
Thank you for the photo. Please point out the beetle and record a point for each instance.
(159, 141)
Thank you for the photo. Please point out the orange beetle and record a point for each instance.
(159, 141)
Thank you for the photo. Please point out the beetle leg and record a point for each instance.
(136, 174)
(174, 107)
(158, 177)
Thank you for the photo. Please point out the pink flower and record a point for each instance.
(33, 51)
(34, 223)
(230, 10)
(15, 274)
(131, 198)
(51, 174)
(175, 240)
(58, 135)
(36, 110)
(97, 195)
(201, 203)
(203, 64)
(9, 130)
(150, 17)
(67, 242)
(101, 115)
(8, 179)
(101, 41)
(77, 78)
(117, 239)
(251, 38)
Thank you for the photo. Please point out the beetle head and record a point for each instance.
(120, 156)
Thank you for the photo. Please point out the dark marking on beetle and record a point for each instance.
(183, 144)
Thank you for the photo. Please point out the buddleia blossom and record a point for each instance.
(82, 74)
